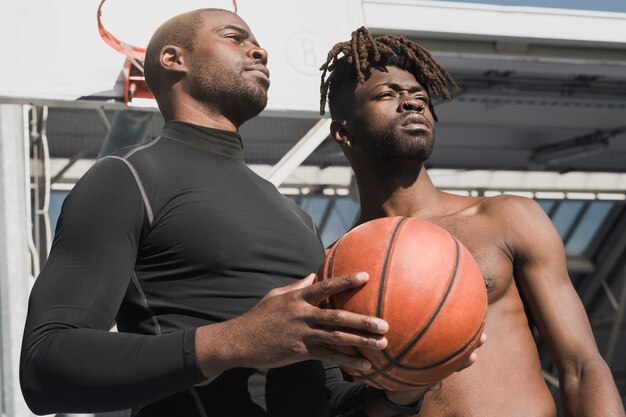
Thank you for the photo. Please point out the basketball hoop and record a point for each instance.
(134, 81)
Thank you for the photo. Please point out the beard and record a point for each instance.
(391, 143)
(237, 96)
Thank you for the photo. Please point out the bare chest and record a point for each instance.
(486, 244)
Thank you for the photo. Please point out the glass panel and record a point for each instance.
(588, 227)
(315, 206)
(345, 211)
(546, 205)
(56, 202)
(341, 218)
(565, 215)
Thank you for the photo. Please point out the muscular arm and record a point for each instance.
(70, 361)
(586, 383)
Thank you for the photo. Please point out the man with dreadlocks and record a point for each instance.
(379, 92)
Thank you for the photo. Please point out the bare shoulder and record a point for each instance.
(506, 210)
(525, 226)
(510, 217)
(511, 206)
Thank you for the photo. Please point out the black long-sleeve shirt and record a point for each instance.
(163, 238)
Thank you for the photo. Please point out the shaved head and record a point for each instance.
(207, 61)
(181, 31)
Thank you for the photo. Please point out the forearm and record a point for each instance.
(83, 370)
(590, 391)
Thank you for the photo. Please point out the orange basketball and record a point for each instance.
(425, 284)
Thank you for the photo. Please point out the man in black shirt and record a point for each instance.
(198, 260)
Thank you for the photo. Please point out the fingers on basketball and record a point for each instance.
(425, 284)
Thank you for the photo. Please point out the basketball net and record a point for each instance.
(134, 81)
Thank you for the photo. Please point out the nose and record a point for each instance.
(411, 104)
(258, 54)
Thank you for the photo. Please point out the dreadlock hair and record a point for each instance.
(363, 52)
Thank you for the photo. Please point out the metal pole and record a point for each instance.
(550, 379)
(41, 176)
(34, 253)
(617, 323)
(103, 118)
(301, 150)
(14, 270)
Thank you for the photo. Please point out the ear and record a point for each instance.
(339, 132)
(173, 58)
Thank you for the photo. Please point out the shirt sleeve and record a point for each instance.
(346, 398)
(70, 361)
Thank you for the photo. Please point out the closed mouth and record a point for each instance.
(415, 121)
(261, 68)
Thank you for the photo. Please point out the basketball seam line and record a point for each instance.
(451, 356)
(329, 270)
(383, 276)
(384, 374)
(392, 361)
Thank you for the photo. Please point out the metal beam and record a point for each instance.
(617, 323)
(41, 181)
(573, 227)
(609, 293)
(103, 118)
(551, 379)
(14, 273)
(580, 264)
(608, 263)
(305, 147)
(106, 104)
(606, 325)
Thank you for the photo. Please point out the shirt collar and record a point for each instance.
(217, 141)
